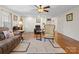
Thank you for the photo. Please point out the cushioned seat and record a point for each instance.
(3, 46)
(7, 45)
(37, 29)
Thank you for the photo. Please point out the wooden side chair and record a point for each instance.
(49, 31)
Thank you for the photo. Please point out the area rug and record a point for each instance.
(22, 47)
(43, 47)
(37, 47)
(54, 44)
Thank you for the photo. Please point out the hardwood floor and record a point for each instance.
(30, 36)
(71, 46)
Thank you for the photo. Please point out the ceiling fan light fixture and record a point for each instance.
(40, 10)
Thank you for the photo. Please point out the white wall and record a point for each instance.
(30, 22)
(70, 28)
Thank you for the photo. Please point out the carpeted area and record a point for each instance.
(22, 47)
(44, 47)
(36, 47)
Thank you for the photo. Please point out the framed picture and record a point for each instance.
(15, 18)
(49, 19)
(69, 17)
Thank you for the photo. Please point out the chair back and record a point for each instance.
(37, 27)
(50, 29)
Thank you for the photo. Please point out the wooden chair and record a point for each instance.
(49, 31)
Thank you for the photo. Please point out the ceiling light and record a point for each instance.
(40, 10)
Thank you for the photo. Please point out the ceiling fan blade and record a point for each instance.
(36, 6)
(39, 6)
(46, 10)
(46, 7)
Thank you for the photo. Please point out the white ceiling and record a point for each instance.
(31, 9)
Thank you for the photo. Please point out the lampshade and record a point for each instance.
(20, 24)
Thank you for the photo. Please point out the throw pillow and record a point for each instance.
(6, 33)
(2, 37)
(11, 34)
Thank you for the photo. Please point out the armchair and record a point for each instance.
(49, 31)
(37, 29)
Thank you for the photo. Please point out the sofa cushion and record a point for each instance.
(2, 37)
(11, 34)
(6, 33)
(7, 45)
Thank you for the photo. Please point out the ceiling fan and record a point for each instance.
(42, 8)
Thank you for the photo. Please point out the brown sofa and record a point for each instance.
(7, 45)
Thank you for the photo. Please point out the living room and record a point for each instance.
(27, 17)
